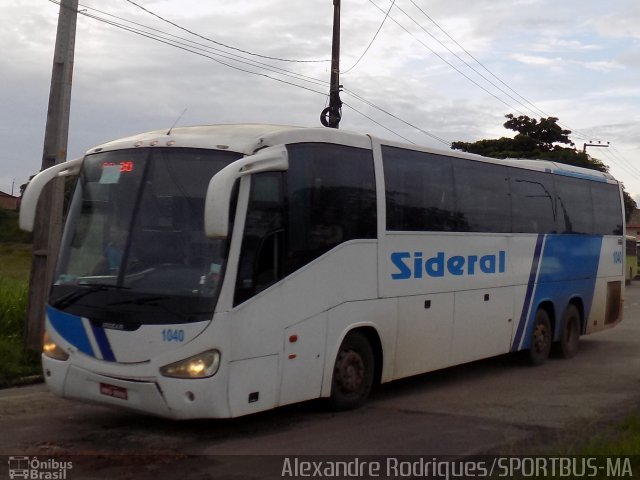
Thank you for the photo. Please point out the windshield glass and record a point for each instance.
(134, 241)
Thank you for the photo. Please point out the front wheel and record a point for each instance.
(352, 373)
(541, 338)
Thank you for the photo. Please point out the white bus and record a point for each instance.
(218, 271)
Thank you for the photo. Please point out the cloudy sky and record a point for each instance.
(438, 71)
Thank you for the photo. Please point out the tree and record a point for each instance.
(546, 132)
(629, 204)
(538, 140)
(23, 187)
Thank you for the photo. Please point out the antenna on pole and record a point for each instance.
(330, 116)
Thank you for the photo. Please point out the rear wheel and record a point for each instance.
(541, 338)
(352, 373)
(570, 336)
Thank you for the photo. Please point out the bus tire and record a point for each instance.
(353, 373)
(570, 335)
(541, 338)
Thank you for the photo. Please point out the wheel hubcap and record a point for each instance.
(541, 338)
(350, 371)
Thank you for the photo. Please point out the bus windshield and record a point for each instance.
(135, 236)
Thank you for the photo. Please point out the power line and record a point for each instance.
(532, 108)
(371, 104)
(223, 53)
(626, 164)
(377, 123)
(200, 52)
(372, 40)
(182, 47)
(220, 43)
(199, 48)
(466, 63)
(449, 63)
(359, 97)
(189, 46)
(539, 111)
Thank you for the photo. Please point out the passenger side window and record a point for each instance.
(575, 210)
(607, 210)
(419, 191)
(330, 199)
(482, 197)
(533, 201)
(431, 192)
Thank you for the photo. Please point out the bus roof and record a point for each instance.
(242, 138)
(248, 138)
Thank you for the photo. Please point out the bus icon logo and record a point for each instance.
(19, 467)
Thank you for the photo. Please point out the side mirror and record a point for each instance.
(34, 189)
(217, 202)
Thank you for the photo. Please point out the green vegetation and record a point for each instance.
(623, 439)
(9, 230)
(15, 262)
(615, 444)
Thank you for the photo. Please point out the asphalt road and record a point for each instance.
(499, 406)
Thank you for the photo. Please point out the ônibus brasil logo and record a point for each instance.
(35, 469)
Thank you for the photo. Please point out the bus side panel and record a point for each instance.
(609, 291)
(251, 385)
(460, 295)
(346, 273)
(420, 263)
(261, 327)
(567, 269)
(440, 330)
(482, 324)
(424, 334)
(303, 360)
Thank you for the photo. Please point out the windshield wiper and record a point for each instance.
(73, 297)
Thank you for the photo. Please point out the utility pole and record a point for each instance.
(47, 230)
(330, 116)
(590, 144)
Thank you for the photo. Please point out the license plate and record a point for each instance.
(113, 391)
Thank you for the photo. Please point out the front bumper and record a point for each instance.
(160, 396)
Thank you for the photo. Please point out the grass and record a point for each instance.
(10, 232)
(13, 302)
(623, 439)
(612, 446)
(15, 263)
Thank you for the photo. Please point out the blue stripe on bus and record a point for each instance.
(71, 328)
(584, 176)
(103, 343)
(568, 269)
(529, 294)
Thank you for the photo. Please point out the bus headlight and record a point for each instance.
(52, 350)
(199, 366)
